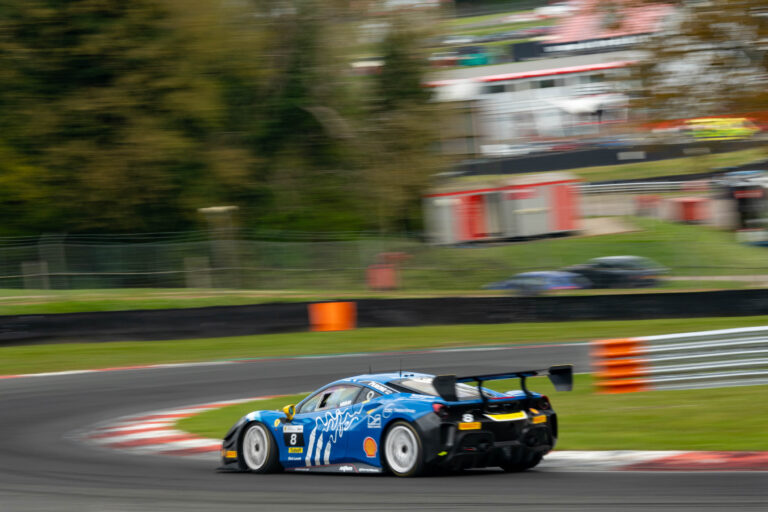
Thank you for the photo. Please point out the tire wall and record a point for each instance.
(214, 322)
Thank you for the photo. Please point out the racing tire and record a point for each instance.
(403, 452)
(257, 451)
(521, 461)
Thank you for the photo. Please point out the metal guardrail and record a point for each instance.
(642, 187)
(695, 360)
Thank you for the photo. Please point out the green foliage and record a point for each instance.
(129, 116)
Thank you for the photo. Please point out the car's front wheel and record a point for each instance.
(403, 452)
(258, 450)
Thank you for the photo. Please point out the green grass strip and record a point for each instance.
(712, 419)
(75, 356)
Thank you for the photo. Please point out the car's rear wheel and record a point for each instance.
(403, 452)
(258, 450)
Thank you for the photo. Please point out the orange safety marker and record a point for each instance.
(623, 386)
(617, 367)
(621, 347)
(332, 316)
(621, 368)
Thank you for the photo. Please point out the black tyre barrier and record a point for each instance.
(222, 321)
(545, 162)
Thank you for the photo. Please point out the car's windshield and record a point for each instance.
(423, 386)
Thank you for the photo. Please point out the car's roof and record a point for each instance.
(619, 258)
(546, 273)
(383, 378)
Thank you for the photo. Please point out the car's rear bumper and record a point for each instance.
(491, 444)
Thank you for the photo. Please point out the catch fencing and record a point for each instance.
(242, 259)
(694, 360)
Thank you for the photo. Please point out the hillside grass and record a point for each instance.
(700, 253)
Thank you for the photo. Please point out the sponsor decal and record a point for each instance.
(293, 435)
(345, 403)
(229, 454)
(467, 418)
(370, 447)
(508, 417)
(294, 458)
(368, 470)
(539, 419)
(346, 469)
(381, 388)
(277, 422)
(295, 449)
(374, 421)
(389, 410)
(474, 425)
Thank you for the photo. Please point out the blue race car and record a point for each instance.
(402, 423)
(534, 283)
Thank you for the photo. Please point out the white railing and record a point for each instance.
(641, 187)
(707, 359)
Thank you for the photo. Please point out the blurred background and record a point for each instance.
(299, 146)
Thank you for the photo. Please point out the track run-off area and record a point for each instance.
(51, 458)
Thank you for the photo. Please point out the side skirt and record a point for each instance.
(356, 468)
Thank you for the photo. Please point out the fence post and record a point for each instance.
(35, 275)
(50, 249)
(197, 272)
(224, 244)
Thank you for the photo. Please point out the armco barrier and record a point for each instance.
(287, 317)
(707, 359)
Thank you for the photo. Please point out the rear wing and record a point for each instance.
(561, 377)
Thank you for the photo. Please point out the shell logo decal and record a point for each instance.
(370, 447)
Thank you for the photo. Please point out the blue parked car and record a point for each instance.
(534, 283)
(401, 423)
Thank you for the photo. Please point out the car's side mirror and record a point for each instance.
(289, 411)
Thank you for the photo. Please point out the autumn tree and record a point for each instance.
(710, 59)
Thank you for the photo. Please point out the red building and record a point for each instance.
(515, 207)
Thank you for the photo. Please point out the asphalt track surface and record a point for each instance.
(44, 467)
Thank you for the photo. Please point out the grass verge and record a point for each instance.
(75, 356)
(38, 302)
(712, 419)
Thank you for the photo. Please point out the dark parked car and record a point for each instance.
(619, 271)
(534, 283)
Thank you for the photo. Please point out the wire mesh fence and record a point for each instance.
(240, 259)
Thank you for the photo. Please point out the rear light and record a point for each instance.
(441, 410)
(543, 403)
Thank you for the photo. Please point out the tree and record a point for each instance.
(129, 116)
(116, 106)
(403, 130)
(711, 59)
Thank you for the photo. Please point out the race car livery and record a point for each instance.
(402, 423)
